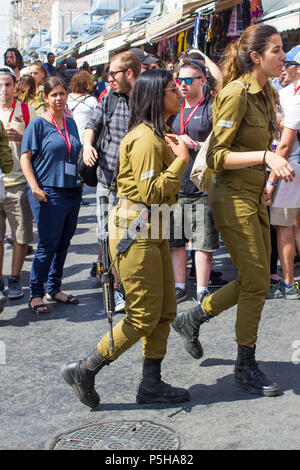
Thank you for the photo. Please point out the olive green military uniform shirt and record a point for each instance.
(243, 120)
(149, 172)
(6, 160)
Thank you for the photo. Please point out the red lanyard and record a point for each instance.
(12, 113)
(67, 138)
(183, 123)
(296, 90)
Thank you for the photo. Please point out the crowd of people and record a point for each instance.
(156, 119)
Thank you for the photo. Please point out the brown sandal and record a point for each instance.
(38, 308)
(71, 299)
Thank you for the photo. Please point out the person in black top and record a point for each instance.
(193, 124)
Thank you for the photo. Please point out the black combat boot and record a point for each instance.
(187, 324)
(152, 389)
(249, 376)
(81, 376)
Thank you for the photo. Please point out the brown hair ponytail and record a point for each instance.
(231, 67)
(238, 54)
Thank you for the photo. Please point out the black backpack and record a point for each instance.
(88, 174)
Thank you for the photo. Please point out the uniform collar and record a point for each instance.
(252, 84)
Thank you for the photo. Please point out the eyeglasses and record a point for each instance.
(187, 80)
(112, 74)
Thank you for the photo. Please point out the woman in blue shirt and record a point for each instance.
(49, 153)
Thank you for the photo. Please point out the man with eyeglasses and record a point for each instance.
(124, 69)
(285, 209)
(193, 124)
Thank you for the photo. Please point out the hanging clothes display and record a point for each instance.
(256, 10)
(236, 26)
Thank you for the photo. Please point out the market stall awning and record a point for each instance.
(284, 19)
(38, 40)
(225, 4)
(102, 56)
(92, 44)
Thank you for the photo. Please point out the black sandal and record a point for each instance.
(71, 299)
(38, 308)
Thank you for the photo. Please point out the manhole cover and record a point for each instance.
(141, 435)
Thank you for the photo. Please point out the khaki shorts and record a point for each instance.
(16, 209)
(283, 217)
(193, 220)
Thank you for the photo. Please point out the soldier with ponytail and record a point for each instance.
(239, 153)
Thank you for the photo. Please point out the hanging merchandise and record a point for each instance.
(203, 25)
(256, 10)
(180, 40)
(208, 36)
(235, 28)
(195, 33)
(185, 42)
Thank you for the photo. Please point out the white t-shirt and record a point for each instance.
(291, 109)
(285, 93)
(81, 107)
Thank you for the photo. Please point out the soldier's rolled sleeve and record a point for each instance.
(6, 159)
(155, 184)
(229, 110)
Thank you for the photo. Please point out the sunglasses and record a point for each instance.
(287, 64)
(187, 80)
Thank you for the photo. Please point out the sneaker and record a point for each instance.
(119, 301)
(14, 287)
(275, 291)
(216, 281)
(291, 292)
(180, 294)
(2, 295)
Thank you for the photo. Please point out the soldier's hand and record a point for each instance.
(178, 146)
(90, 155)
(281, 167)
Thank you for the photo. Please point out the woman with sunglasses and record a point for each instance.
(239, 152)
(148, 174)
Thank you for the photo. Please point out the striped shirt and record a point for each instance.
(117, 129)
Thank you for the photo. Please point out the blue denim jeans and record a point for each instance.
(56, 222)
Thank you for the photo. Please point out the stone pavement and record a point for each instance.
(36, 404)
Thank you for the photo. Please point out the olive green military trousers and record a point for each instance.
(241, 217)
(146, 272)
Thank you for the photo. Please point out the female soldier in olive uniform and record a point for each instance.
(148, 174)
(243, 130)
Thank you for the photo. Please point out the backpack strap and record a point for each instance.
(111, 107)
(25, 113)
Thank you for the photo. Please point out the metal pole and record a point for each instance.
(71, 29)
(120, 8)
(62, 28)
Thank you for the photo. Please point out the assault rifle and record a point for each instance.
(104, 267)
